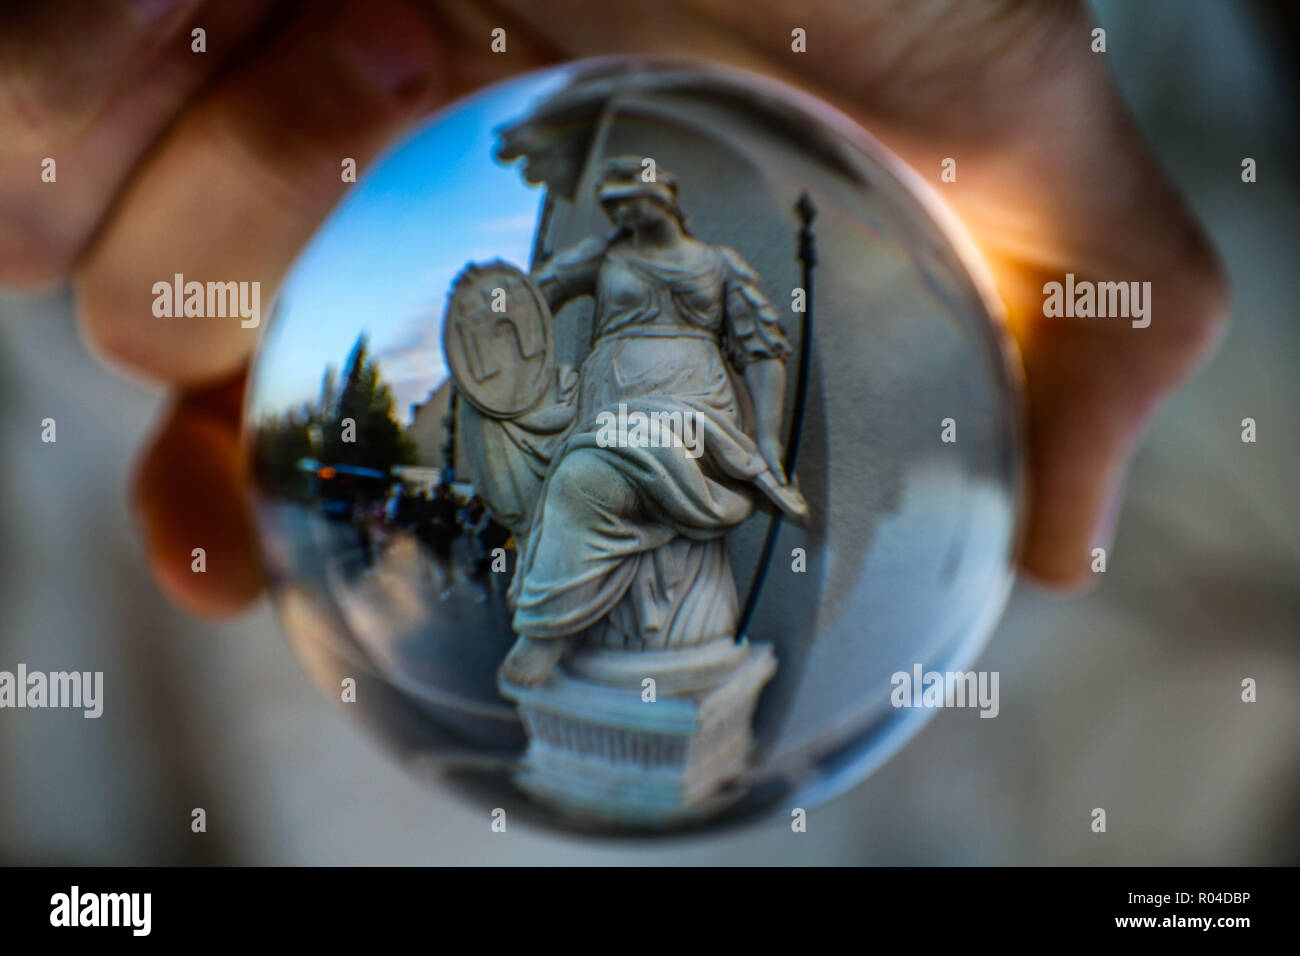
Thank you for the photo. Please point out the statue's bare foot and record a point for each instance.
(531, 660)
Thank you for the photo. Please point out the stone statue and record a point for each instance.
(620, 482)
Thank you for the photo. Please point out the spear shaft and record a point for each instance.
(808, 259)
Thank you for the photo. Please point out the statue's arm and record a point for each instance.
(756, 344)
(765, 380)
(570, 273)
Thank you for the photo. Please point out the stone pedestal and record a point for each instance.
(600, 750)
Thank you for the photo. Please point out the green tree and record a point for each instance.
(379, 439)
(317, 430)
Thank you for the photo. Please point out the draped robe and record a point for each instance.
(621, 540)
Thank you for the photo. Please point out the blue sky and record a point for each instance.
(386, 258)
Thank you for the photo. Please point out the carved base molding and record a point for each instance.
(603, 751)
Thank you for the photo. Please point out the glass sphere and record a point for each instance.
(620, 437)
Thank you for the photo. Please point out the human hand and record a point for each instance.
(223, 164)
(216, 165)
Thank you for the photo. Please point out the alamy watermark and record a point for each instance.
(1083, 299)
(213, 300)
(130, 910)
(655, 429)
(76, 690)
(922, 688)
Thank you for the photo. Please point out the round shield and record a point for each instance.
(496, 335)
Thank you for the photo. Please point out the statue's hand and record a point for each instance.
(769, 447)
(786, 497)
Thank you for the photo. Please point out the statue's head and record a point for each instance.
(634, 195)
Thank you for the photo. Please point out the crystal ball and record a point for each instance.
(623, 435)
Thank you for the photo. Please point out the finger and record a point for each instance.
(62, 63)
(670, 27)
(466, 28)
(1092, 391)
(189, 496)
(236, 188)
(85, 87)
(1104, 211)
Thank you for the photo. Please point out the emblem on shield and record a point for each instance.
(497, 338)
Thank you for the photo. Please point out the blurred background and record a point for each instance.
(1128, 698)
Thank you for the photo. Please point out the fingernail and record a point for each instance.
(388, 44)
